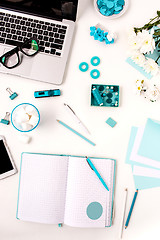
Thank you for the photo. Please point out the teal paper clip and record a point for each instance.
(47, 93)
(13, 95)
(5, 120)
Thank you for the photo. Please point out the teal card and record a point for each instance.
(145, 182)
(150, 146)
(130, 144)
(138, 68)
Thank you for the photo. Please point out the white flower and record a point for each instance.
(134, 41)
(147, 42)
(139, 87)
(151, 66)
(138, 58)
(153, 93)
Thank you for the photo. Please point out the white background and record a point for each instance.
(51, 137)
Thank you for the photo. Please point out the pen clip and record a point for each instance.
(69, 108)
(88, 163)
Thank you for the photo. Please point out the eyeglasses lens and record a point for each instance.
(10, 60)
(30, 47)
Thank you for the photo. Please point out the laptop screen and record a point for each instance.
(54, 9)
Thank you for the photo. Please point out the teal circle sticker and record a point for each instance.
(95, 73)
(94, 210)
(83, 66)
(95, 61)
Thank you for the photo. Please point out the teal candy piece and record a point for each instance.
(103, 10)
(98, 31)
(107, 41)
(105, 2)
(110, 4)
(91, 33)
(96, 36)
(94, 210)
(112, 41)
(118, 8)
(100, 39)
(117, 12)
(93, 29)
(121, 2)
(100, 3)
(111, 122)
(108, 13)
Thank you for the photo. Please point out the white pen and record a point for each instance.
(76, 117)
(124, 211)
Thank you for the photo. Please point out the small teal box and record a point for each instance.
(105, 95)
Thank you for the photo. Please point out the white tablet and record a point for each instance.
(7, 166)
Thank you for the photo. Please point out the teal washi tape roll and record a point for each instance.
(97, 96)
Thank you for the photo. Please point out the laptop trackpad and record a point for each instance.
(25, 66)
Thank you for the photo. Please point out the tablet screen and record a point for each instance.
(5, 163)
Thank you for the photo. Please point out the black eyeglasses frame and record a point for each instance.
(16, 50)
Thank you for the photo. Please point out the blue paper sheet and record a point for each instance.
(150, 143)
(139, 181)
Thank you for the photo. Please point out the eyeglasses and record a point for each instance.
(11, 59)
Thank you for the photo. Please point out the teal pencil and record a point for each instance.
(77, 133)
(131, 209)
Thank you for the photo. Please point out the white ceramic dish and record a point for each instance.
(32, 113)
(114, 15)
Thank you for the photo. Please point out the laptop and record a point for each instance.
(52, 22)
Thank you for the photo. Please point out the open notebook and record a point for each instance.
(57, 189)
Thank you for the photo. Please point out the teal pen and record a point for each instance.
(77, 133)
(97, 173)
(131, 209)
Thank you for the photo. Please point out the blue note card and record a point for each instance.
(150, 143)
(140, 182)
(140, 69)
(130, 144)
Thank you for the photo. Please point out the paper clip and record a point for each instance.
(5, 120)
(13, 95)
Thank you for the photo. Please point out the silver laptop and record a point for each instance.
(52, 22)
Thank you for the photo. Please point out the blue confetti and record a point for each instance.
(110, 4)
(110, 7)
(103, 10)
(118, 8)
(121, 2)
(100, 35)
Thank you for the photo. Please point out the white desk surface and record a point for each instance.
(51, 137)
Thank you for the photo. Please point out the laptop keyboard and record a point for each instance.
(14, 30)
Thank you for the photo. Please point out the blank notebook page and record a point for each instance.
(42, 188)
(85, 188)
